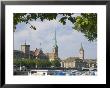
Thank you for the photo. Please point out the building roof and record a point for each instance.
(71, 59)
(90, 60)
(37, 52)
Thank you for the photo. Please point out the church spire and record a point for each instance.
(81, 49)
(81, 54)
(55, 38)
(55, 47)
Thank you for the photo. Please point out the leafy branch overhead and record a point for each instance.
(85, 22)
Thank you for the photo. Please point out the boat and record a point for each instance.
(39, 72)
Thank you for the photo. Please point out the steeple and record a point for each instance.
(55, 47)
(81, 52)
(81, 49)
(55, 38)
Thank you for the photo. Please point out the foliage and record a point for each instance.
(55, 63)
(85, 23)
(30, 63)
(43, 63)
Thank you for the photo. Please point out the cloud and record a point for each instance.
(68, 39)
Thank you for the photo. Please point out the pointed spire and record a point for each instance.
(55, 38)
(81, 45)
(81, 49)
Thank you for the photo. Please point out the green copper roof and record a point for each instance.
(81, 49)
(55, 40)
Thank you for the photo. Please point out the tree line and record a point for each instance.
(36, 63)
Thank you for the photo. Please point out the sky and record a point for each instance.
(68, 40)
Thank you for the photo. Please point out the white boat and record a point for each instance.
(39, 72)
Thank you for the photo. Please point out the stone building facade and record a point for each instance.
(24, 52)
(54, 54)
(90, 63)
(38, 54)
(51, 56)
(79, 62)
(73, 62)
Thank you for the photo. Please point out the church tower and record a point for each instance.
(55, 47)
(26, 50)
(81, 52)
